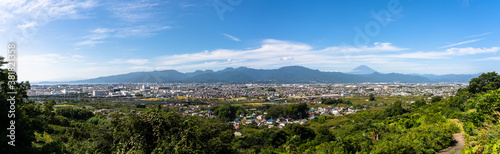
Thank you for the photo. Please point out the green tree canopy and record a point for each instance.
(395, 109)
(436, 99)
(485, 82)
(371, 97)
(22, 112)
(227, 112)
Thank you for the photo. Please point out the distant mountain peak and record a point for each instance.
(242, 68)
(294, 67)
(228, 69)
(362, 69)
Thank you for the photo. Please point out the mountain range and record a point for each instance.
(288, 74)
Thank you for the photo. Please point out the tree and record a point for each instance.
(436, 99)
(395, 109)
(48, 106)
(160, 132)
(303, 132)
(140, 106)
(335, 101)
(80, 114)
(485, 82)
(324, 134)
(276, 112)
(459, 101)
(296, 111)
(20, 111)
(371, 97)
(419, 103)
(227, 112)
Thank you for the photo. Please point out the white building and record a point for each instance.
(98, 93)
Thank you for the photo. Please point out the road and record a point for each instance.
(459, 137)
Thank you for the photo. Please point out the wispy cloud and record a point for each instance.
(480, 34)
(446, 54)
(98, 35)
(489, 58)
(460, 43)
(130, 61)
(286, 58)
(22, 17)
(231, 37)
(90, 43)
(472, 51)
(23, 27)
(274, 53)
(44, 59)
(135, 11)
(377, 47)
(139, 31)
(102, 30)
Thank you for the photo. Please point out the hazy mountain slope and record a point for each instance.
(135, 77)
(451, 77)
(362, 69)
(288, 74)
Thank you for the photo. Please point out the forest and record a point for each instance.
(425, 126)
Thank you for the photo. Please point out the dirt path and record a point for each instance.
(459, 137)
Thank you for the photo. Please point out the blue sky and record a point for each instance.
(71, 40)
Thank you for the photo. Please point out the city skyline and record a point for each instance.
(73, 40)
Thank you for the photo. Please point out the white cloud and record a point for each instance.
(377, 47)
(139, 31)
(275, 53)
(21, 18)
(116, 61)
(98, 35)
(489, 58)
(130, 61)
(421, 55)
(102, 30)
(464, 42)
(231, 37)
(471, 51)
(270, 49)
(137, 61)
(27, 25)
(134, 11)
(90, 43)
(50, 58)
(446, 54)
(480, 34)
(286, 58)
(270, 54)
(12, 3)
(51, 66)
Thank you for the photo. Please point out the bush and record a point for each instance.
(79, 114)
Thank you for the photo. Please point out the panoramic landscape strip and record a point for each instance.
(248, 77)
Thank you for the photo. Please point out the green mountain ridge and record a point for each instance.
(288, 74)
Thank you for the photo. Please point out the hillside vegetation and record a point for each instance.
(425, 126)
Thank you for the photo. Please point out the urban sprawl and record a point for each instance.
(175, 95)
